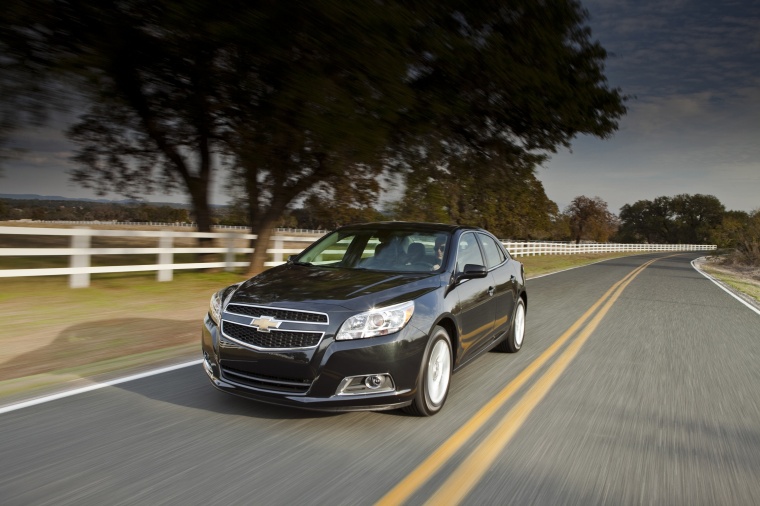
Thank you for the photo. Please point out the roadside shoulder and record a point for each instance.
(744, 288)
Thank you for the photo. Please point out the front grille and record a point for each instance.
(274, 339)
(278, 314)
(267, 383)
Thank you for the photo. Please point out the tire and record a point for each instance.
(435, 376)
(514, 338)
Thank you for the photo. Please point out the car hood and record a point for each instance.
(300, 286)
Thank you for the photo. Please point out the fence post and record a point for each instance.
(278, 245)
(165, 258)
(80, 280)
(229, 256)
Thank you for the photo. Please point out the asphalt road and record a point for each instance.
(654, 398)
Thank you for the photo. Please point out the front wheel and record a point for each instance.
(435, 377)
(514, 339)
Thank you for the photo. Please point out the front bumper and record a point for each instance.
(316, 379)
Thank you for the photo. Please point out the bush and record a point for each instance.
(748, 253)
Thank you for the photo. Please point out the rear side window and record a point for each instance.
(494, 254)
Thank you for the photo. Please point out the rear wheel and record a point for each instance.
(435, 377)
(514, 339)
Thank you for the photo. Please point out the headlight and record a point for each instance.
(378, 322)
(215, 305)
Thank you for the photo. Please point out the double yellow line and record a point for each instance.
(469, 472)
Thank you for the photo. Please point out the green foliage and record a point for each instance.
(732, 230)
(685, 219)
(696, 217)
(507, 200)
(331, 210)
(647, 221)
(501, 84)
(25, 95)
(748, 242)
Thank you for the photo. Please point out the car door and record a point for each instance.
(476, 310)
(504, 279)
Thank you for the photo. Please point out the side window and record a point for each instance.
(494, 254)
(468, 252)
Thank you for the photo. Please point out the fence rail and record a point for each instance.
(526, 248)
(228, 246)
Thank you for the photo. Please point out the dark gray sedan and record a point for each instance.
(372, 316)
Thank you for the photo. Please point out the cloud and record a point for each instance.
(678, 47)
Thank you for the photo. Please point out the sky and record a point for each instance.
(691, 68)
(693, 122)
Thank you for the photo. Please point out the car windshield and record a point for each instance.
(405, 250)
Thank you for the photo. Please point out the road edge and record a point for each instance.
(736, 294)
(80, 390)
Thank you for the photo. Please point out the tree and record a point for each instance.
(508, 200)
(380, 81)
(292, 95)
(731, 230)
(342, 202)
(590, 219)
(696, 217)
(25, 96)
(741, 231)
(141, 67)
(650, 221)
(689, 219)
(748, 247)
(518, 80)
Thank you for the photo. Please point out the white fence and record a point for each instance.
(80, 251)
(228, 245)
(164, 224)
(570, 248)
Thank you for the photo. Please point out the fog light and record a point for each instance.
(369, 384)
(374, 382)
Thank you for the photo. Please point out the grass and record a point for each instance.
(544, 264)
(55, 335)
(742, 283)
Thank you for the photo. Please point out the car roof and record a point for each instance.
(402, 225)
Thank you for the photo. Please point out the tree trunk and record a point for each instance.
(199, 199)
(263, 230)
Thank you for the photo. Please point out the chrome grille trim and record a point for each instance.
(278, 313)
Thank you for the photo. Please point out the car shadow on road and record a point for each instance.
(93, 347)
(189, 387)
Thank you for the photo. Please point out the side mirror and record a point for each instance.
(472, 271)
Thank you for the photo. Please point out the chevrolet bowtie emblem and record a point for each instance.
(264, 323)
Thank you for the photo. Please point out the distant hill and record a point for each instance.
(32, 196)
